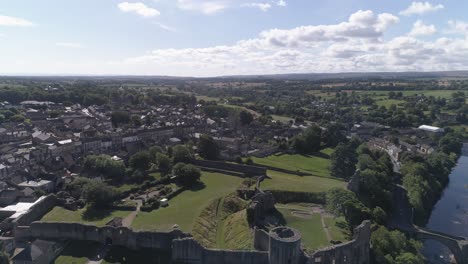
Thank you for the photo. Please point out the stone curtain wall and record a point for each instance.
(189, 251)
(121, 236)
(246, 169)
(261, 240)
(355, 251)
(37, 211)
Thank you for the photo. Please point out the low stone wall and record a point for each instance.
(37, 211)
(246, 169)
(299, 173)
(355, 251)
(121, 236)
(189, 251)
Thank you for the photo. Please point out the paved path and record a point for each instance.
(128, 220)
(325, 228)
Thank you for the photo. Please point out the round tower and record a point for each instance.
(285, 246)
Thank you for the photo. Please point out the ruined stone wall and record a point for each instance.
(261, 240)
(189, 251)
(37, 211)
(121, 236)
(248, 170)
(355, 251)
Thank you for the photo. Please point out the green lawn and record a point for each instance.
(77, 252)
(289, 182)
(388, 102)
(282, 119)
(336, 227)
(436, 93)
(185, 207)
(93, 217)
(313, 235)
(317, 165)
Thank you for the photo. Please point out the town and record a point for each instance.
(149, 170)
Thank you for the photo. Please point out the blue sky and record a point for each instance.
(225, 37)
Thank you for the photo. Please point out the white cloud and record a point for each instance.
(14, 21)
(421, 29)
(138, 8)
(69, 45)
(419, 8)
(458, 27)
(281, 3)
(166, 27)
(203, 6)
(362, 24)
(262, 6)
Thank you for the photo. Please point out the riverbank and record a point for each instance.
(450, 213)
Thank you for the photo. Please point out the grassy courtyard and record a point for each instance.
(313, 234)
(85, 216)
(187, 206)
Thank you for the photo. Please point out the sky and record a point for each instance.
(230, 37)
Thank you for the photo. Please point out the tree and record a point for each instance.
(120, 117)
(342, 202)
(99, 194)
(187, 174)
(343, 161)
(245, 117)
(389, 247)
(17, 118)
(208, 148)
(181, 153)
(140, 161)
(104, 165)
(332, 136)
(309, 141)
(164, 163)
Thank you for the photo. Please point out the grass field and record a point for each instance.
(289, 182)
(318, 165)
(313, 235)
(336, 228)
(185, 207)
(94, 217)
(388, 102)
(282, 119)
(77, 252)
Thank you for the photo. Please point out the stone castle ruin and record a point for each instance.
(280, 245)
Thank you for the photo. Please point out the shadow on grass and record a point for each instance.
(80, 249)
(95, 214)
(197, 187)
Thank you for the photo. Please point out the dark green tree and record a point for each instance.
(208, 148)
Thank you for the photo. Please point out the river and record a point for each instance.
(450, 214)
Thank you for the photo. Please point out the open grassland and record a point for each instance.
(85, 216)
(313, 234)
(337, 228)
(388, 102)
(187, 206)
(447, 94)
(282, 119)
(317, 165)
(289, 182)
